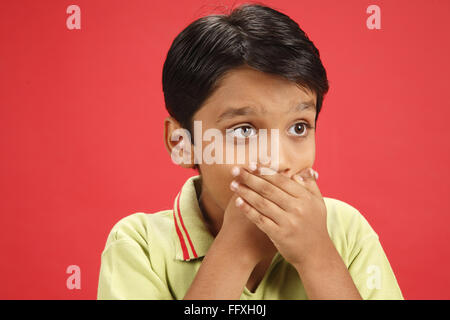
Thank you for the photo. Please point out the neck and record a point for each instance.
(212, 213)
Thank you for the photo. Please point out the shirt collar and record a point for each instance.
(192, 237)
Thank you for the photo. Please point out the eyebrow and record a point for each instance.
(305, 105)
(247, 110)
(235, 112)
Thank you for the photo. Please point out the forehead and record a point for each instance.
(247, 86)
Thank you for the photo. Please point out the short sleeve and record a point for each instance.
(372, 273)
(126, 270)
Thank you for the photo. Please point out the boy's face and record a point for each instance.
(269, 102)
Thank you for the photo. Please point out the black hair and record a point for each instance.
(251, 34)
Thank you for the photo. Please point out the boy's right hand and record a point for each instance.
(248, 241)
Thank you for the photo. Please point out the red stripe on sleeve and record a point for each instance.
(180, 236)
(184, 228)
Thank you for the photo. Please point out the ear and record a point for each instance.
(178, 143)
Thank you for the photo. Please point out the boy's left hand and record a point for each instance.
(290, 211)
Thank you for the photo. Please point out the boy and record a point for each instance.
(236, 232)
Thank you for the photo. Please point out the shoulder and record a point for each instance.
(361, 250)
(141, 228)
(346, 224)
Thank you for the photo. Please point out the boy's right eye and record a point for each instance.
(243, 132)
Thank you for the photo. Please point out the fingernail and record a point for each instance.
(239, 201)
(252, 166)
(234, 185)
(266, 171)
(235, 171)
(311, 172)
(317, 174)
(299, 178)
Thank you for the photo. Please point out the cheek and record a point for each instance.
(310, 150)
(301, 155)
(217, 178)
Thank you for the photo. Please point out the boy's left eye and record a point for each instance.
(298, 129)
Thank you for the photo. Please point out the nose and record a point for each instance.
(281, 157)
(284, 162)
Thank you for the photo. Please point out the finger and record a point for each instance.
(254, 199)
(264, 188)
(308, 178)
(281, 181)
(264, 223)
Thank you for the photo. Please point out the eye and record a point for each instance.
(243, 132)
(299, 129)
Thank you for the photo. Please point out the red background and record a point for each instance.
(81, 127)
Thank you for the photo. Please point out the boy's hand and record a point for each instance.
(291, 211)
(244, 236)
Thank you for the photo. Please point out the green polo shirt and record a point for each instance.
(156, 256)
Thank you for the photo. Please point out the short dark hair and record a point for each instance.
(252, 34)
